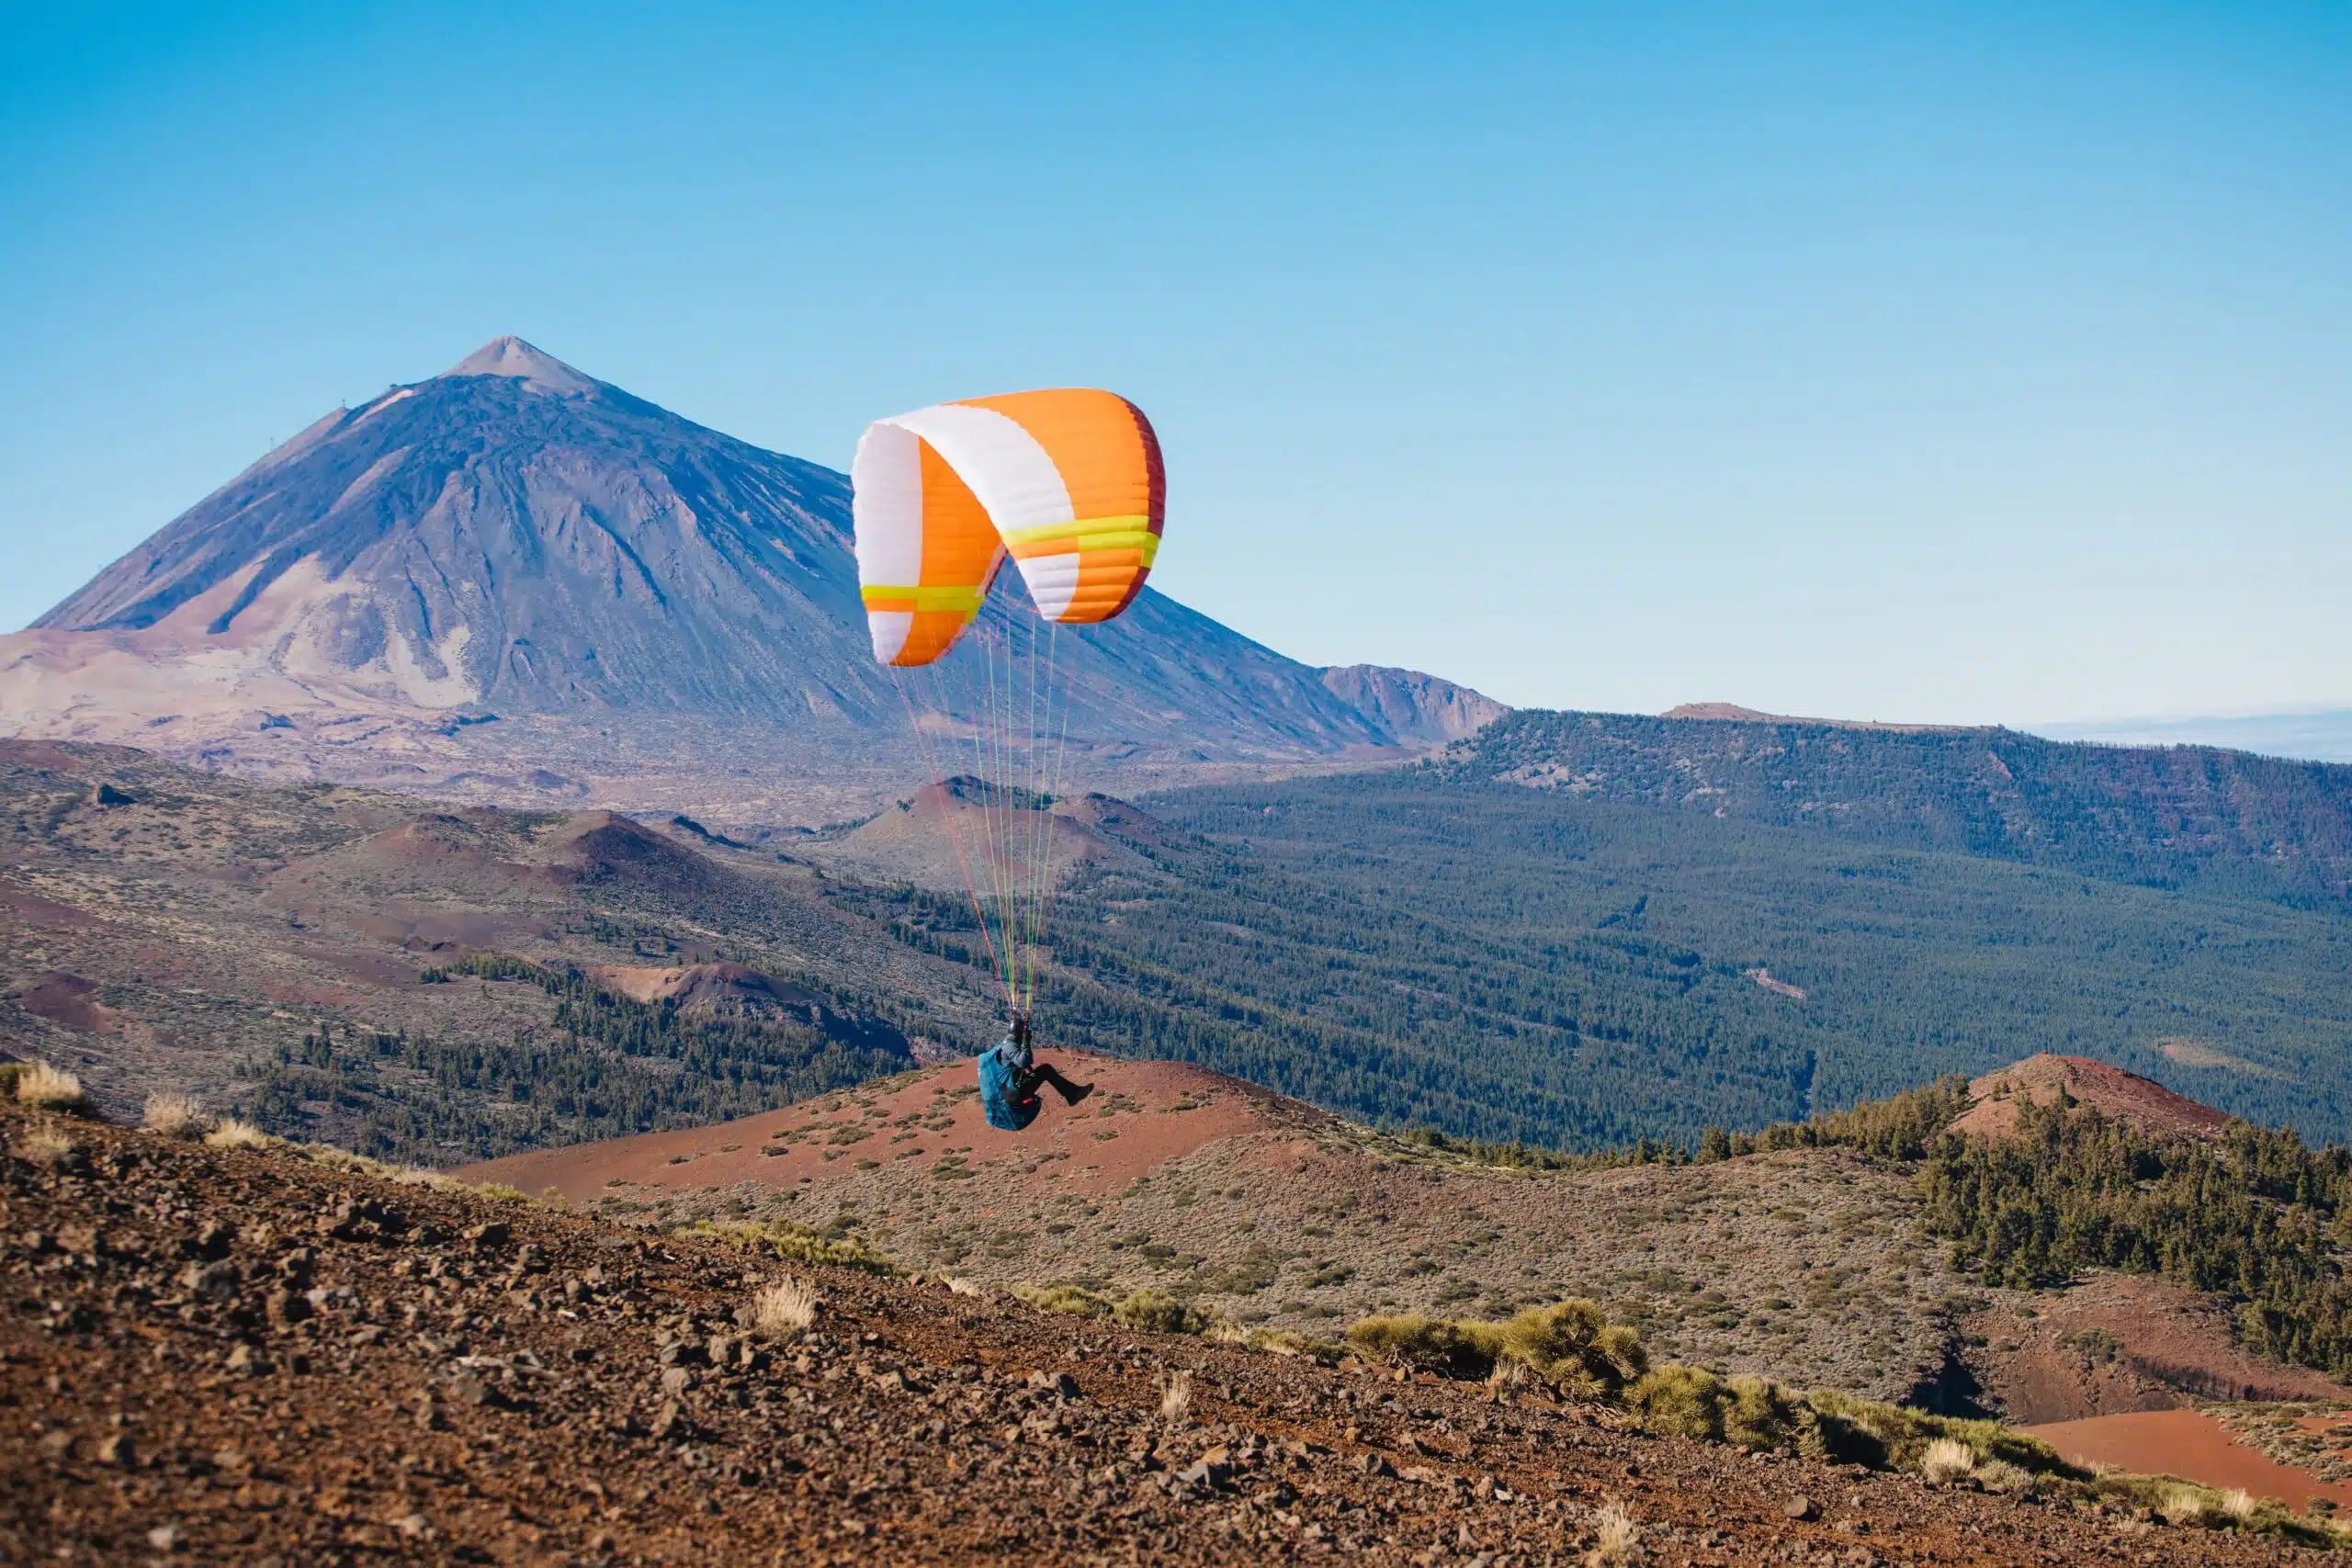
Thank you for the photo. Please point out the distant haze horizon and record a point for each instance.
(2312, 735)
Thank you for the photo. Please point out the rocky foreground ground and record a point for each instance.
(232, 1355)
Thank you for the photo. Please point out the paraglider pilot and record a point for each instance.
(1010, 1077)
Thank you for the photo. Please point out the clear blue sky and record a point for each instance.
(1986, 362)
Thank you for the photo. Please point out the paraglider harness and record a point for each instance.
(1008, 1079)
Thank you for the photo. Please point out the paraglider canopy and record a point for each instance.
(1067, 482)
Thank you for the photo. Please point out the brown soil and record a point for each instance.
(2118, 1343)
(1154, 1113)
(2315, 1438)
(2126, 1097)
(243, 1357)
(2191, 1445)
(1805, 1266)
(67, 999)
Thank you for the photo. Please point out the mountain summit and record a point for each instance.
(516, 538)
(511, 357)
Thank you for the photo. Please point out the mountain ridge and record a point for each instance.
(2170, 818)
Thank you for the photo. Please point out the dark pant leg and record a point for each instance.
(1027, 1081)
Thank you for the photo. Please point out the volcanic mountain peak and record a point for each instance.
(517, 536)
(511, 357)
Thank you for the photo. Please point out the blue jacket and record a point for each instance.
(999, 1066)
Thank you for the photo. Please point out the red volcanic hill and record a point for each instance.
(2125, 1097)
(959, 830)
(1142, 1116)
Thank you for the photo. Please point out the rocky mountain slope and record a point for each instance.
(237, 1355)
(517, 572)
(1411, 705)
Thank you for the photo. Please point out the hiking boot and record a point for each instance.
(1077, 1092)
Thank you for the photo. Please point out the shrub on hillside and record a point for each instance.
(1155, 1311)
(784, 1308)
(1948, 1458)
(176, 1116)
(1762, 1417)
(796, 1243)
(1426, 1345)
(45, 1087)
(46, 1144)
(1868, 1432)
(1571, 1346)
(232, 1134)
(1284, 1342)
(1680, 1402)
(1075, 1300)
(1161, 1313)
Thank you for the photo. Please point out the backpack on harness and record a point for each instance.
(1002, 1067)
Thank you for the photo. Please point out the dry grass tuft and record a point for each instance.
(2237, 1505)
(232, 1134)
(1947, 1460)
(45, 1144)
(176, 1116)
(2184, 1505)
(1620, 1545)
(1176, 1396)
(784, 1309)
(45, 1087)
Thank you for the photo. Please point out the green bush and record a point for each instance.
(1680, 1402)
(1869, 1432)
(1161, 1313)
(1283, 1342)
(1573, 1348)
(1426, 1344)
(1762, 1417)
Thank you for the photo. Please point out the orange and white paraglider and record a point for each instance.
(1069, 485)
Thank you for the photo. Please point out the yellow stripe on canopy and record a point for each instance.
(877, 597)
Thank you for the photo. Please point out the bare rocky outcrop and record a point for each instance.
(1418, 709)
